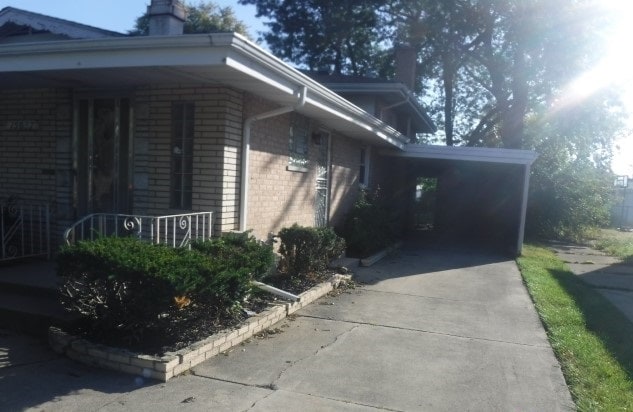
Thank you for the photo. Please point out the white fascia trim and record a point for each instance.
(474, 154)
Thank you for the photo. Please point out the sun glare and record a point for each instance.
(614, 70)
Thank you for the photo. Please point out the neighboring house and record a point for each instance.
(93, 121)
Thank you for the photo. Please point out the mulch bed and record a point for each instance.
(182, 327)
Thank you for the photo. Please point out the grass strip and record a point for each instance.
(616, 243)
(592, 339)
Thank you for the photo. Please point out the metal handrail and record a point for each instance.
(24, 230)
(175, 230)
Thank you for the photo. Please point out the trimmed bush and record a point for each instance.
(369, 226)
(306, 250)
(128, 291)
(240, 251)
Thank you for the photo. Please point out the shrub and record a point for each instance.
(130, 290)
(240, 251)
(567, 199)
(369, 226)
(305, 249)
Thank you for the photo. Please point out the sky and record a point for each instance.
(117, 15)
(120, 15)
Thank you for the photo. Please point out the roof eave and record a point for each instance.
(388, 87)
(228, 51)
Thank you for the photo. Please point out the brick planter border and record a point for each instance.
(376, 257)
(171, 364)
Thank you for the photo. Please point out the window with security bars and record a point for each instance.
(182, 155)
(298, 143)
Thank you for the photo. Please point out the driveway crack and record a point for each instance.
(316, 353)
(359, 323)
(263, 398)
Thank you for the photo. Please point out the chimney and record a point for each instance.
(166, 17)
(406, 61)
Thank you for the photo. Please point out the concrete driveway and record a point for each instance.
(429, 330)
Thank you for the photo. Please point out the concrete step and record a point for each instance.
(31, 314)
(29, 299)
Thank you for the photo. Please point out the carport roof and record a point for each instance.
(463, 153)
(446, 156)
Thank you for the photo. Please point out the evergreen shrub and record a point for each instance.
(306, 250)
(369, 226)
(128, 289)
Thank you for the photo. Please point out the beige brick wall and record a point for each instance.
(35, 165)
(217, 140)
(278, 197)
(344, 186)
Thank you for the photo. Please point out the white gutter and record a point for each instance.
(246, 148)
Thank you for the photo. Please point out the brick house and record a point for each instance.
(93, 121)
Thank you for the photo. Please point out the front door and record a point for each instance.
(103, 155)
(322, 203)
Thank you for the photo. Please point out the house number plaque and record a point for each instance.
(22, 125)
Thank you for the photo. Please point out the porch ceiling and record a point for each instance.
(225, 59)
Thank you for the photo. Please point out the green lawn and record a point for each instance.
(591, 338)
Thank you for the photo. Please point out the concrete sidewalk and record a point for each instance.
(429, 330)
(607, 274)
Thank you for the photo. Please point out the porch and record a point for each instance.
(29, 300)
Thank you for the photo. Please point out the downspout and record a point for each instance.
(391, 106)
(246, 148)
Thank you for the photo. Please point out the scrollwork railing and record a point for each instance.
(24, 230)
(173, 230)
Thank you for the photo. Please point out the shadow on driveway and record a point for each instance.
(421, 257)
(31, 375)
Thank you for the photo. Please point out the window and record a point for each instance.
(363, 172)
(298, 144)
(182, 155)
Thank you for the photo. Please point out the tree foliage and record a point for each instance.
(494, 73)
(205, 17)
(342, 36)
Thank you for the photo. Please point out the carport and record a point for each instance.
(481, 194)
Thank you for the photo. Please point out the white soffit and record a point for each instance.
(463, 153)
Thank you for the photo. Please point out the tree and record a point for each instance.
(201, 18)
(342, 36)
(495, 73)
(570, 186)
